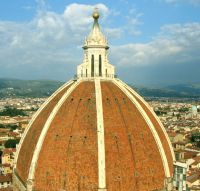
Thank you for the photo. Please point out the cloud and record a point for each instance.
(51, 42)
(47, 42)
(42, 5)
(194, 2)
(134, 21)
(113, 32)
(27, 7)
(176, 43)
(49, 46)
(79, 15)
(171, 57)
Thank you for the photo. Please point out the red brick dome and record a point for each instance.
(93, 133)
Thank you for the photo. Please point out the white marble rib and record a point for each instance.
(161, 125)
(100, 138)
(151, 126)
(36, 115)
(45, 130)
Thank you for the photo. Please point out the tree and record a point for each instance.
(1, 152)
(11, 143)
(12, 127)
(195, 138)
(2, 126)
(12, 111)
(184, 109)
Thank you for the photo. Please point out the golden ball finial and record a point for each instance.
(95, 14)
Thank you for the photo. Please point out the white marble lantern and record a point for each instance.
(95, 62)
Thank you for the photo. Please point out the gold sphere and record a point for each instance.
(95, 15)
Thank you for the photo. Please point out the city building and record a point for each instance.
(193, 181)
(94, 133)
(8, 156)
(5, 169)
(5, 181)
(180, 172)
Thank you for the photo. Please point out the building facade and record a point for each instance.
(180, 173)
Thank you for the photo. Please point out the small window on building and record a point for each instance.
(179, 170)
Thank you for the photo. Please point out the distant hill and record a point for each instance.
(172, 91)
(187, 89)
(27, 88)
(44, 88)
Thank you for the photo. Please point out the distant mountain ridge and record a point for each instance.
(27, 88)
(44, 88)
(172, 91)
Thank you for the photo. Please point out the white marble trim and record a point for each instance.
(100, 137)
(35, 116)
(152, 128)
(45, 130)
(158, 120)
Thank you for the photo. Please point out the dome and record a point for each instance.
(94, 133)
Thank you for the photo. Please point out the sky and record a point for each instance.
(152, 42)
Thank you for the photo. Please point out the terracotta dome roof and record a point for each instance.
(60, 149)
(94, 133)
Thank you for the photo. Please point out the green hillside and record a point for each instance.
(44, 88)
(173, 91)
(27, 88)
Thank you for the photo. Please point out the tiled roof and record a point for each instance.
(9, 151)
(6, 189)
(5, 178)
(194, 177)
